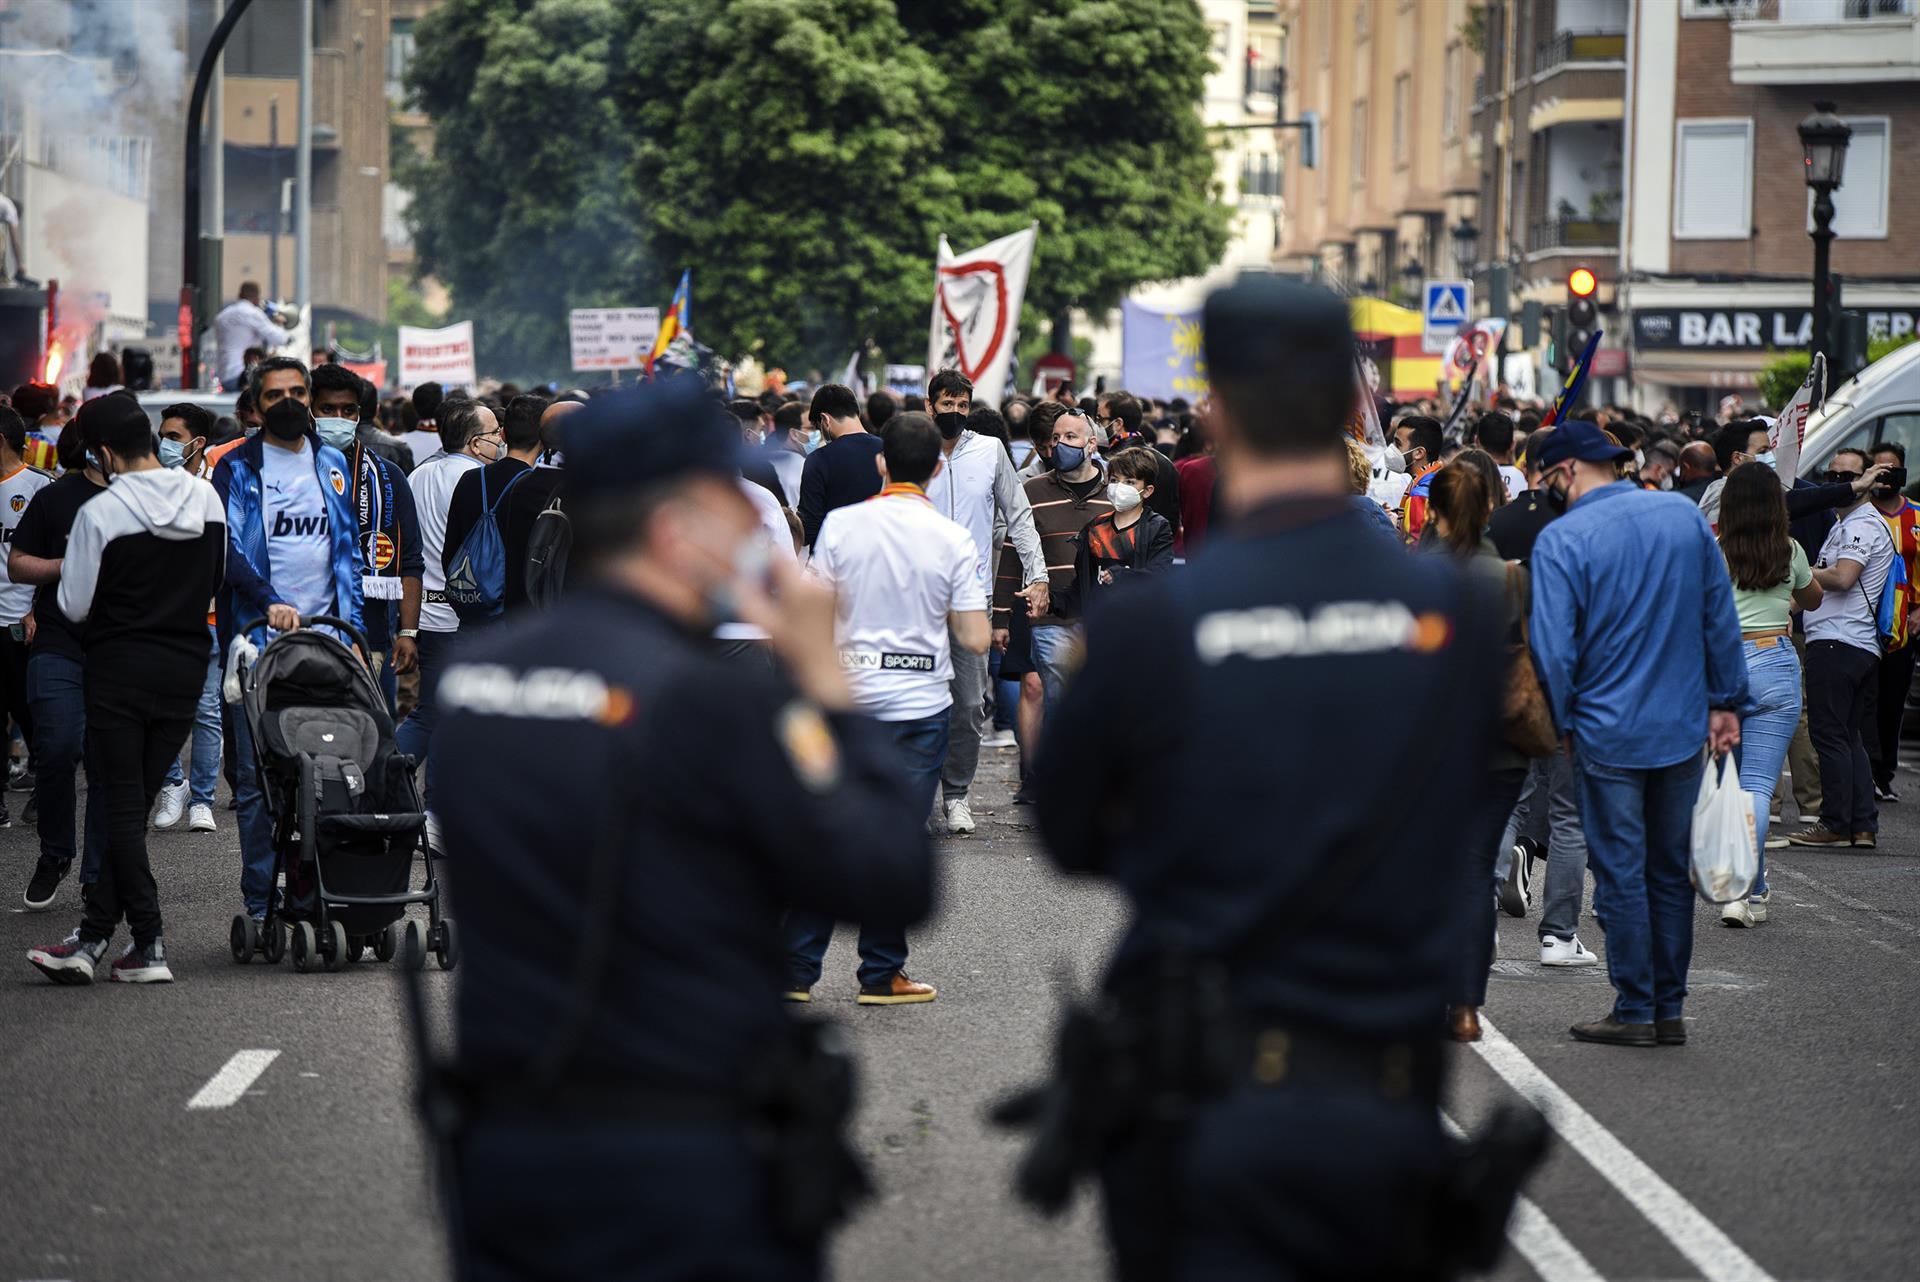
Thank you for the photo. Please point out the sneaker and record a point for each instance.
(1736, 914)
(71, 961)
(1516, 892)
(896, 990)
(200, 817)
(45, 883)
(1818, 835)
(1777, 841)
(20, 779)
(1884, 793)
(170, 805)
(143, 965)
(1865, 839)
(1555, 951)
(797, 995)
(1757, 906)
(1025, 796)
(959, 817)
(1000, 739)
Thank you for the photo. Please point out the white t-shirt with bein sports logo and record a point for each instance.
(17, 489)
(898, 568)
(1852, 617)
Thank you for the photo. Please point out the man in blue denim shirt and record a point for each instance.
(1638, 644)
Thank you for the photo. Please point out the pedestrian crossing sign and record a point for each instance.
(1445, 310)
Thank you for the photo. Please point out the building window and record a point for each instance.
(1359, 174)
(1719, 8)
(1401, 93)
(399, 58)
(1860, 204)
(1450, 95)
(1713, 180)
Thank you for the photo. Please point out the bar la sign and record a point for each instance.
(1749, 329)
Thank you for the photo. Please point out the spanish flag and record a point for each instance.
(676, 322)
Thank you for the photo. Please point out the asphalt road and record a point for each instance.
(1782, 1143)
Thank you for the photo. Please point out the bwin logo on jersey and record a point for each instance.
(299, 527)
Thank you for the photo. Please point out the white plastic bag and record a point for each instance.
(1726, 847)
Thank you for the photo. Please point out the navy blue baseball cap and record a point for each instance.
(1579, 439)
(657, 432)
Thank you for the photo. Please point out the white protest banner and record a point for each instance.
(443, 356)
(612, 337)
(1789, 431)
(976, 310)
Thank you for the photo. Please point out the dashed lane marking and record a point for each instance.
(1845, 900)
(1538, 1239)
(1716, 1255)
(231, 1082)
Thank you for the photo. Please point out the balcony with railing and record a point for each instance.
(1579, 46)
(1555, 234)
(1807, 42)
(1260, 178)
(121, 163)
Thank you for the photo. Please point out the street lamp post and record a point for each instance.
(1823, 139)
(1466, 240)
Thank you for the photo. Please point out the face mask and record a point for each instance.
(1557, 498)
(288, 421)
(1394, 459)
(1766, 458)
(1666, 482)
(751, 561)
(337, 432)
(951, 424)
(99, 465)
(1124, 497)
(1068, 458)
(1639, 460)
(172, 453)
(815, 439)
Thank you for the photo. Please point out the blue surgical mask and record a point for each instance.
(1766, 458)
(815, 439)
(1068, 458)
(337, 432)
(172, 453)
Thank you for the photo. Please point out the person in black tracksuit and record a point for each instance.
(1316, 1150)
(142, 562)
(622, 960)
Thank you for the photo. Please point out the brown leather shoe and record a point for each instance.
(896, 990)
(1819, 835)
(1865, 839)
(1463, 1023)
(1611, 1032)
(1670, 1032)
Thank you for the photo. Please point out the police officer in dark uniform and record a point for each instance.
(1257, 1087)
(629, 816)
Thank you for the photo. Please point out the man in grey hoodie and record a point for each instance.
(141, 564)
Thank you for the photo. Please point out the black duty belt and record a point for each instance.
(595, 1102)
(1281, 1057)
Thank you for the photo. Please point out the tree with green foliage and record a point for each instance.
(1783, 373)
(802, 157)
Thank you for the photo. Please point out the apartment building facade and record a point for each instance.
(1716, 268)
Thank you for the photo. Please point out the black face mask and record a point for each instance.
(287, 421)
(951, 424)
(1557, 499)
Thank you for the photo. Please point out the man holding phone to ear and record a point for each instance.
(1896, 665)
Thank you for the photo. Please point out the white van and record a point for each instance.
(1882, 404)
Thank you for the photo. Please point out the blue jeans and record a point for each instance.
(883, 948)
(414, 736)
(1639, 837)
(1549, 813)
(1006, 693)
(1054, 646)
(1766, 728)
(256, 826)
(205, 765)
(56, 691)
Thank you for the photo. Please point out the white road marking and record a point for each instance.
(1716, 1255)
(1846, 900)
(231, 1082)
(1538, 1239)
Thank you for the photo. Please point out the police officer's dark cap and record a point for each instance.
(662, 430)
(1579, 439)
(1261, 322)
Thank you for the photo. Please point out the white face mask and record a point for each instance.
(1124, 497)
(1395, 460)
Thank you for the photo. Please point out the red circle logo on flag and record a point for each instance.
(382, 551)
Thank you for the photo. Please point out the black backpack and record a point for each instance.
(547, 547)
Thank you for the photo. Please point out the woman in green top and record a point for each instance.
(1770, 580)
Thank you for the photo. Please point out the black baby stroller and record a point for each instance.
(347, 822)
